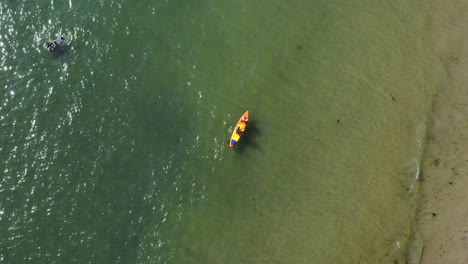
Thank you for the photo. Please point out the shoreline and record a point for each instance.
(440, 234)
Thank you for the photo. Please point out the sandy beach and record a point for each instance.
(441, 232)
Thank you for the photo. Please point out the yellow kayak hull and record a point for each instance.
(239, 129)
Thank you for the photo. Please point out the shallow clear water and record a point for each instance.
(115, 149)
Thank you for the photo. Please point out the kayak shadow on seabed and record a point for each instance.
(248, 138)
(61, 51)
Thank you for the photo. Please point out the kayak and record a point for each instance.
(239, 129)
(51, 46)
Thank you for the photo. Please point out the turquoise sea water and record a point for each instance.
(114, 148)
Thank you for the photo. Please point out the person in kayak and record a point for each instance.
(239, 131)
(51, 46)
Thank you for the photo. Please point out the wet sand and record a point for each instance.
(441, 231)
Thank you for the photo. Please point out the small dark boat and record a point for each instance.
(51, 46)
